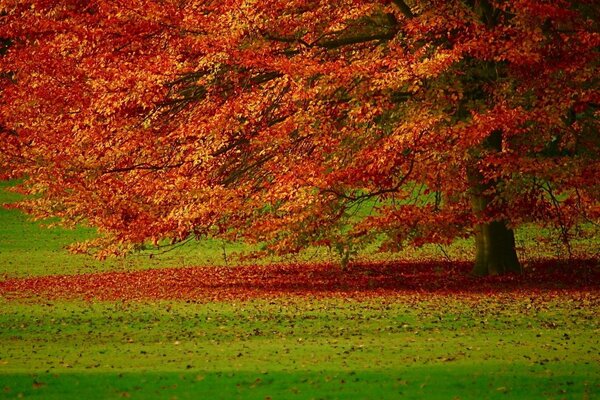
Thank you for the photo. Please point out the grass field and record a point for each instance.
(301, 348)
(426, 333)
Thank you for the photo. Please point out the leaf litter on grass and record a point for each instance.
(320, 280)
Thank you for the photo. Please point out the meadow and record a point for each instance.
(418, 327)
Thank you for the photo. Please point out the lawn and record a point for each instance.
(302, 348)
(72, 327)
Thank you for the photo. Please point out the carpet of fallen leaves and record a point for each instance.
(318, 280)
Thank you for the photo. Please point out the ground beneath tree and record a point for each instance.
(319, 280)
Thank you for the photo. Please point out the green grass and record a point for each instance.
(439, 382)
(300, 348)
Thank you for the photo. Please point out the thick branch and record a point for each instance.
(404, 8)
(338, 42)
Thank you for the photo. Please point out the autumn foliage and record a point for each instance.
(297, 123)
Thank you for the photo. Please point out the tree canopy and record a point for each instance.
(279, 122)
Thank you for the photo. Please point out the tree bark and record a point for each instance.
(495, 252)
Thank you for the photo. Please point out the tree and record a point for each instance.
(279, 121)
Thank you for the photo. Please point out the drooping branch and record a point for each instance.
(376, 193)
(183, 91)
(141, 167)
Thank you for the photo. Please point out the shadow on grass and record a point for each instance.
(426, 382)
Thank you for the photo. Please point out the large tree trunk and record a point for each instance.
(495, 250)
(494, 241)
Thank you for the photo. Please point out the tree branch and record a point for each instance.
(143, 166)
(338, 42)
(345, 41)
(285, 39)
(404, 8)
(378, 192)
